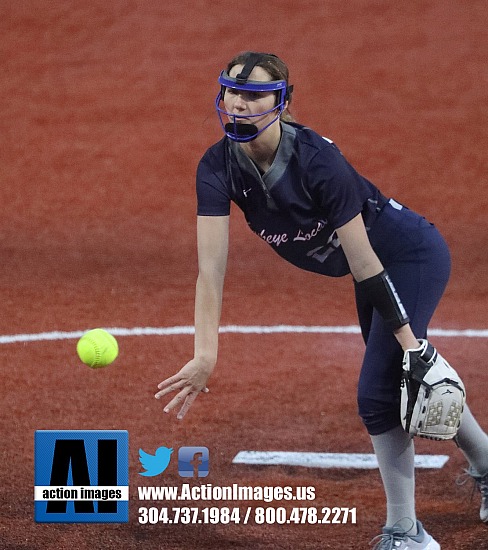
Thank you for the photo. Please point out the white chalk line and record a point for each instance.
(327, 460)
(235, 329)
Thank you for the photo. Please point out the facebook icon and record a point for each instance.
(193, 462)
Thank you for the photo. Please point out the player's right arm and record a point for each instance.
(213, 245)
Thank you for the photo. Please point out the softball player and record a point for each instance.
(300, 195)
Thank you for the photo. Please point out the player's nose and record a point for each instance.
(239, 102)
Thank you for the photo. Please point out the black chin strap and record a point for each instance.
(242, 130)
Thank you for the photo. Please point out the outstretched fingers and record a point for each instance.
(190, 398)
(179, 398)
(169, 385)
(186, 394)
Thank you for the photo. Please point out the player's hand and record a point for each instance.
(188, 382)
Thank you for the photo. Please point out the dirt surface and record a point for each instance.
(106, 108)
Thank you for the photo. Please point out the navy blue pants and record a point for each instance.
(418, 262)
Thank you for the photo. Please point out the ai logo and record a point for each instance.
(81, 476)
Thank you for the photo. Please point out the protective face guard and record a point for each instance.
(242, 132)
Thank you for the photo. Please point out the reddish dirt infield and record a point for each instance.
(106, 108)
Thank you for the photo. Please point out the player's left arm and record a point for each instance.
(370, 275)
(423, 366)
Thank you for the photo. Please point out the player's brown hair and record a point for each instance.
(274, 66)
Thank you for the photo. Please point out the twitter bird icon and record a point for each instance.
(155, 464)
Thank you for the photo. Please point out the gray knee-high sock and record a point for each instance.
(396, 454)
(473, 442)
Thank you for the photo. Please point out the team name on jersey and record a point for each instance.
(277, 239)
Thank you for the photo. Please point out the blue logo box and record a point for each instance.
(81, 476)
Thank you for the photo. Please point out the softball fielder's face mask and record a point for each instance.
(239, 131)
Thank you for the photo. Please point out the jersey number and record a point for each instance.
(321, 253)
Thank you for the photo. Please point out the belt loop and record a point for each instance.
(395, 204)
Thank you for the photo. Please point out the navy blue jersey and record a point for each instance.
(296, 206)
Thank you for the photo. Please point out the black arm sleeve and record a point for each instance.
(381, 293)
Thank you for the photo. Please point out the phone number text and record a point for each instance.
(258, 515)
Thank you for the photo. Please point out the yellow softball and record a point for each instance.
(97, 348)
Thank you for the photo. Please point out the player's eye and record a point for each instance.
(247, 96)
(254, 96)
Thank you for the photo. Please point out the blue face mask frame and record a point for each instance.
(244, 132)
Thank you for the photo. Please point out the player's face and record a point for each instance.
(244, 103)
